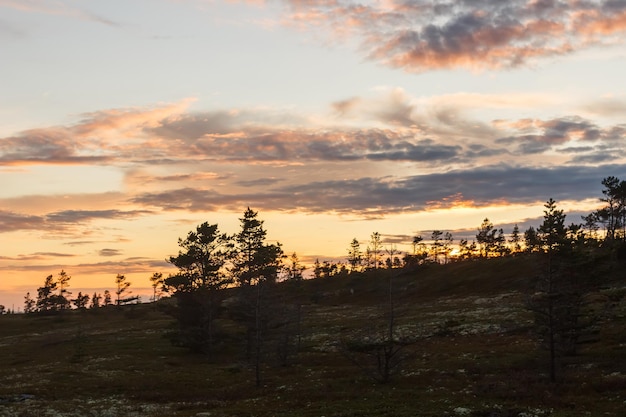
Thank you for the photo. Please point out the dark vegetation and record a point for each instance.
(533, 326)
(473, 347)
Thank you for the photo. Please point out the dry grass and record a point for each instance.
(474, 355)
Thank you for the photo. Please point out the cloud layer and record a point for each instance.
(110, 191)
(420, 35)
(411, 155)
(62, 221)
(434, 132)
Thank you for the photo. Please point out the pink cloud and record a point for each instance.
(100, 137)
(424, 35)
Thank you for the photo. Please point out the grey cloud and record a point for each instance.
(185, 198)
(238, 137)
(481, 151)
(344, 107)
(394, 107)
(77, 216)
(481, 186)
(274, 144)
(10, 222)
(396, 239)
(126, 266)
(79, 243)
(62, 221)
(109, 252)
(54, 254)
(579, 149)
(422, 35)
(36, 144)
(449, 122)
(526, 144)
(38, 256)
(109, 267)
(54, 145)
(596, 158)
(260, 182)
(397, 112)
(533, 147)
(369, 196)
(453, 36)
(615, 134)
(195, 126)
(425, 150)
(198, 176)
(193, 199)
(559, 131)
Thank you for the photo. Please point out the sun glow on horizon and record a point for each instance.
(330, 134)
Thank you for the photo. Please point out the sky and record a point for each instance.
(125, 124)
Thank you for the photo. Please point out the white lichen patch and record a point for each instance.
(462, 411)
(85, 407)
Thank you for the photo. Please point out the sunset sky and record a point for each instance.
(127, 123)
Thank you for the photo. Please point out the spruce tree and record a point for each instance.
(255, 266)
(201, 275)
(29, 304)
(355, 257)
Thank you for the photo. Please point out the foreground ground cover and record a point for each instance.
(474, 354)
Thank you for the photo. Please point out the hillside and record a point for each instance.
(473, 353)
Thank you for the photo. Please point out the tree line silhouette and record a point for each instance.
(571, 261)
(54, 297)
(238, 275)
(604, 228)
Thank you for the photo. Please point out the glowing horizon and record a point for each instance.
(124, 128)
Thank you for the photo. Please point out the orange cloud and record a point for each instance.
(188, 147)
(128, 122)
(424, 35)
(100, 137)
(594, 23)
(451, 202)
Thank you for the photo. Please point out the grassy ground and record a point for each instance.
(474, 354)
